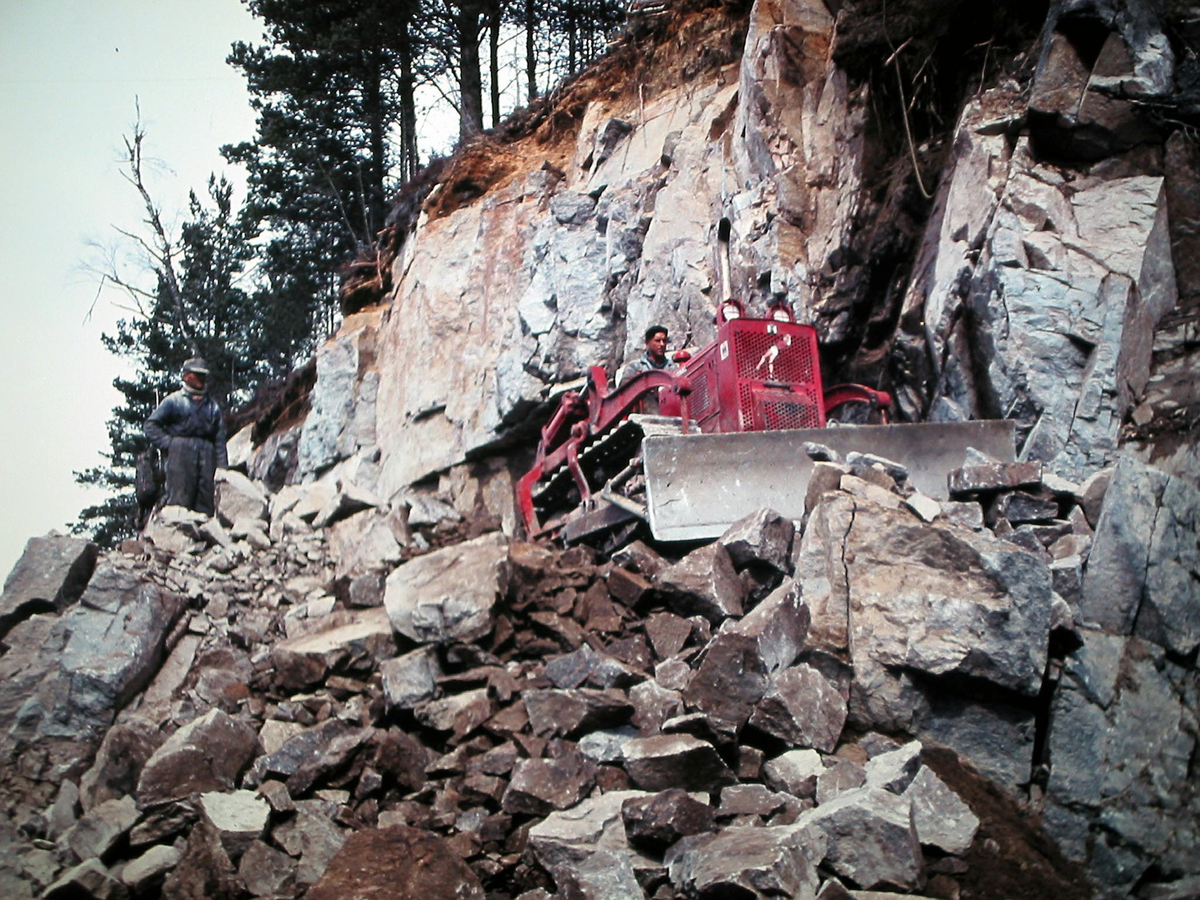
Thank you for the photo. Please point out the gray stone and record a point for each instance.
(239, 817)
(50, 575)
(565, 840)
(570, 712)
(410, 679)
(449, 594)
(1119, 755)
(861, 462)
(205, 755)
(119, 761)
(675, 760)
(750, 800)
(894, 770)
(151, 867)
(311, 837)
(266, 872)
(606, 745)
(763, 537)
(365, 542)
(89, 879)
(64, 811)
(925, 507)
(238, 498)
(997, 738)
(63, 681)
(942, 820)
(204, 871)
(1144, 562)
(349, 498)
(459, 713)
(742, 862)
(937, 600)
(840, 776)
(98, 831)
(653, 704)
(779, 625)
(703, 583)
(332, 402)
(795, 772)
(346, 638)
(802, 708)
(971, 481)
(570, 208)
(870, 838)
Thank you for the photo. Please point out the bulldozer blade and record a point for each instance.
(698, 485)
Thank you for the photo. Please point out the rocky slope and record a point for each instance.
(888, 695)
(357, 681)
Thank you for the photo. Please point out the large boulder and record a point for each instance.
(1144, 564)
(450, 594)
(50, 575)
(63, 680)
(1122, 734)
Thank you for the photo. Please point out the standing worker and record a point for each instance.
(190, 428)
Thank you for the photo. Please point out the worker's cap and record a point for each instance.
(195, 364)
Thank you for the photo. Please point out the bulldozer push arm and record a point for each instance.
(582, 417)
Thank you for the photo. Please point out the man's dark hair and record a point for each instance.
(653, 330)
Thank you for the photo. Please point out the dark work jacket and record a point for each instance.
(178, 416)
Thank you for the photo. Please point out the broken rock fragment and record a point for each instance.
(941, 818)
(566, 713)
(870, 838)
(396, 863)
(410, 679)
(204, 755)
(238, 817)
(675, 760)
(731, 679)
(703, 583)
(450, 594)
(803, 708)
(763, 537)
(656, 821)
(540, 786)
(50, 575)
(743, 862)
(795, 772)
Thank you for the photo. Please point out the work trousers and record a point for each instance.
(191, 466)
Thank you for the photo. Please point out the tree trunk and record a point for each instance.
(470, 78)
(374, 201)
(494, 58)
(409, 158)
(531, 49)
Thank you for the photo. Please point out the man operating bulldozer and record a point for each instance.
(655, 356)
(190, 428)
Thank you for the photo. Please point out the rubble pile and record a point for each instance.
(307, 696)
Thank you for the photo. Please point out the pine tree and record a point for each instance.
(332, 87)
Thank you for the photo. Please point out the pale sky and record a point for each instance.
(70, 71)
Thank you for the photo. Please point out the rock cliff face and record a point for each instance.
(356, 680)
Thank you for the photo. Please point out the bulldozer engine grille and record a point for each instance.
(774, 357)
(781, 412)
(699, 400)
